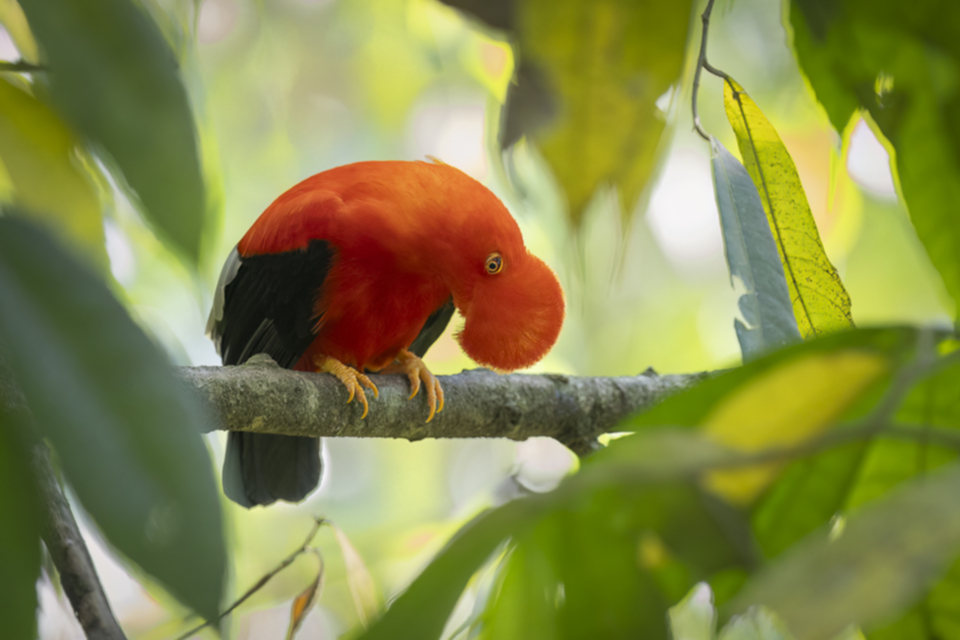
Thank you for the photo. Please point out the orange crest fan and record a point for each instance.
(358, 269)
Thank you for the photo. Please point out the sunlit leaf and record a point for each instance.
(126, 430)
(694, 617)
(13, 20)
(115, 79)
(363, 588)
(788, 405)
(888, 553)
(820, 302)
(596, 77)
(692, 407)
(19, 536)
(304, 602)
(756, 624)
(813, 491)
(753, 258)
(899, 62)
(39, 153)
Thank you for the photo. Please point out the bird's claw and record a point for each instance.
(352, 379)
(416, 371)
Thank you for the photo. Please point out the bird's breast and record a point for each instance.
(368, 311)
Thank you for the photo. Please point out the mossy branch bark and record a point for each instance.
(261, 397)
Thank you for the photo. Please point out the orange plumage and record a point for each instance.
(395, 242)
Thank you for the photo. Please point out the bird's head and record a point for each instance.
(513, 311)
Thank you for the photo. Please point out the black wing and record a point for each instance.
(432, 329)
(264, 304)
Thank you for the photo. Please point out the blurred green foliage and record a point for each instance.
(817, 479)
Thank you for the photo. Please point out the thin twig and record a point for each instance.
(701, 65)
(20, 66)
(286, 562)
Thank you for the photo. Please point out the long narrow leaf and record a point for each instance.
(820, 302)
(752, 257)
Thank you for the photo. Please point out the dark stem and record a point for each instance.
(286, 562)
(20, 66)
(701, 65)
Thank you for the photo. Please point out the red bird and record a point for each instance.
(358, 269)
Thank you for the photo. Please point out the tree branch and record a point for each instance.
(263, 398)
(58, 527)
(70, 555)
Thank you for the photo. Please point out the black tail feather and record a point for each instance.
(260, 468)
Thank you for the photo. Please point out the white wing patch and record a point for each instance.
(229, 272)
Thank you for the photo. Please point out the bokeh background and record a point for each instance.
(287, 88)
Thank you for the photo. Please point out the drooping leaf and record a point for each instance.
(115, 79)
(899, 62)
(304, 602)
(363, 588)
(39, 153)
(587, 87)
(609, 65)
(820, 302)
(753, 258)
(887, 554)
(126, 430)
(19, 536)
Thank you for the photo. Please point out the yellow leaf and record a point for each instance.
(366, 597)
(39, 153)
(820, 301)
(304, 602)
(789, 405)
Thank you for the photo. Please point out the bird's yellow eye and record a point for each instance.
(493, 263)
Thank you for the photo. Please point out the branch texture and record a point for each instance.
(263, 398)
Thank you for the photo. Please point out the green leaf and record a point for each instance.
(115, 79)
(900, 63)
(752, 256)
(126, 430)
(644, 465)
(881, 561)
(598, 72)
(815, 491)
(820, 302)
(610, 563)
(39, 153)
(19, 536)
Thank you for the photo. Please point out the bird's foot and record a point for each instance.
(352, 379)
(414, 368)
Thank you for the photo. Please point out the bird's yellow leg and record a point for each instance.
(352, 379)
(413, 367)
